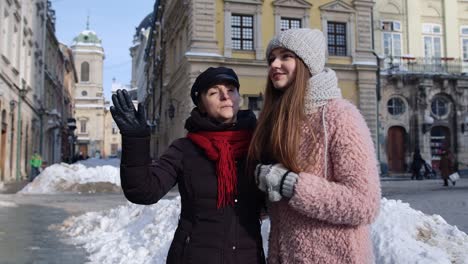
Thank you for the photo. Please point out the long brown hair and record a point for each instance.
(277, 136)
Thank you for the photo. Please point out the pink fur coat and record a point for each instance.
(337, 196)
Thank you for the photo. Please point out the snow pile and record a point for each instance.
(142, 234)
(75, 178)
(404, 235)
(127, 234)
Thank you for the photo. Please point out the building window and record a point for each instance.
(464, 43)
(254, 103)
(392, 41)
(439, 107)
(290, 23)
(6, 33)
(336, 38)
(114, 148)
(392, 44)
(85, 72)
(396, 106)
(391, 26)
(115, 129)
(432, 47)
(465, 49)
(432, 40)
(242, 32)
(15, 47)
(83, 126)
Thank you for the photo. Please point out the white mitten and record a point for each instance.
(260, 175)
(276, 180)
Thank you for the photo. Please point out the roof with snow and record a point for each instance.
(145, 23)
(87, 37)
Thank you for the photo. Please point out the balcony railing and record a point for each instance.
(425, 65)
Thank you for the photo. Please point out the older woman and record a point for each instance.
(219, 221)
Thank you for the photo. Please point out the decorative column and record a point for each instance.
(202, 26)
(366, 64)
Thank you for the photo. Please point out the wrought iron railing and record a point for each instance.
(425, 65)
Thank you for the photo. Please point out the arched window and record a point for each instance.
(396, 106)
(85, 72)
(439, 107)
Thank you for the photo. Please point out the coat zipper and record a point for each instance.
(185, 250)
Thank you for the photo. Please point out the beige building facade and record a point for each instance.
(31, 85)
(70, 78)
(190, 36)
(112, 137)
(89, 94)
(423, 46)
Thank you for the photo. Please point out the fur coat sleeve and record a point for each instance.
(350, 192)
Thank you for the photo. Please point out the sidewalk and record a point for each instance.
(12, 187)
(407, 176)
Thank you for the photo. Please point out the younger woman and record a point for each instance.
(317, 160)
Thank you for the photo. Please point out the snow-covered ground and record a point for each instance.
(142, 234)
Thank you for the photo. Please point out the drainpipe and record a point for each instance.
(378, 105)
(444, 30)
(377, 89)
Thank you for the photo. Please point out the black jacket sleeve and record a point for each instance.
(144, 181)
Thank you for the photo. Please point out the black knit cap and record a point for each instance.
(211, 77)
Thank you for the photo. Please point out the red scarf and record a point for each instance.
(224, 147)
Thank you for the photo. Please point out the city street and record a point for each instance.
(26, 231)
(27, 234)
(430, 197)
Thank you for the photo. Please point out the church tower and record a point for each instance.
(89, 93)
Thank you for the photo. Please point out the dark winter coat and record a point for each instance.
(204, 234)
(446, 165)
(418, 163)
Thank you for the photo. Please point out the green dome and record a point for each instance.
(88, 37)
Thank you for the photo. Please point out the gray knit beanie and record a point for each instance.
(308, 44)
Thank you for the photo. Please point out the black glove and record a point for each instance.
(130, 122)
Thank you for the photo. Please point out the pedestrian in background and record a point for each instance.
(447, 165)
(417, 165)
(220, 217)
(36, 164)
(317, 163)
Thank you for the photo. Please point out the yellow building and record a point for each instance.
(190, 36)
(424, 97)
